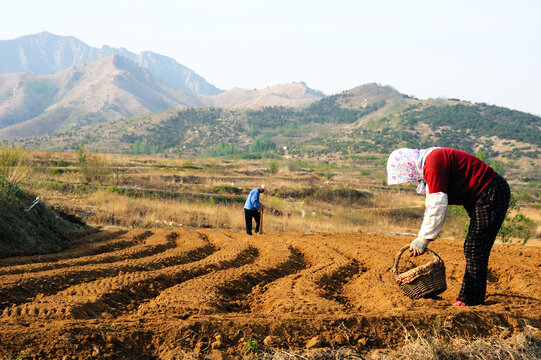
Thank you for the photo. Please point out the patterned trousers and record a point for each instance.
(486, 218)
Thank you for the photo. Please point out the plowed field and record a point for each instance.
(159, 294)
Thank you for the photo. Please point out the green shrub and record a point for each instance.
(222, 149)
(517, 226)
(293, 165)
(228, 189)
(262, 144)
(273, 167)
(92, 168)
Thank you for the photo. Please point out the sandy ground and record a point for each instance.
(163, 294)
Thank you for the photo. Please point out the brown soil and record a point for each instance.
(159, 294)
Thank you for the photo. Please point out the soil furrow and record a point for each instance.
(302, 292)
(227, 290)
(213, 293)
(18, 291)
(130, 248)
(125, 291)
(105, 243)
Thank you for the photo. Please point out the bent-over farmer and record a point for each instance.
(450, 176)
(251, 209)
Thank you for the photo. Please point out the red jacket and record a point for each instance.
(462, 176)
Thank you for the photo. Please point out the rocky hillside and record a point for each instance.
(108, 89)
(113, 88)
(369, 119)
(46, 53)
(289, 95)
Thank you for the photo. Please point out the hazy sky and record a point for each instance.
(481, 51)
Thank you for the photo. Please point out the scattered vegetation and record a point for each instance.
(93, 168)
(15, 164)
(27, 226)
(525, 345)
(42, 92)
(474, 121)
(521, 346)
(301, 196)
(346, 125)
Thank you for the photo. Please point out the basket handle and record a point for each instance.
(401, 251)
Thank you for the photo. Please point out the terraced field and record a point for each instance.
(166, 294)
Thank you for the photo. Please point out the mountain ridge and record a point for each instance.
(46, 53)
(92, 92)
(111, 88)
(368, 119)
(296, 94)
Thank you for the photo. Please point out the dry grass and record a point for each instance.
(317, 198)
(15, 164)
(525, 345)
(143, 212)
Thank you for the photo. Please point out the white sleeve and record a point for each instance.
(436, 209)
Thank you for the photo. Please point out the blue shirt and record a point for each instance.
(252, 203)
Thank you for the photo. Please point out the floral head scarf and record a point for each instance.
(406, 165)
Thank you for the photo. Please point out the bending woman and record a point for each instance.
(450, 176)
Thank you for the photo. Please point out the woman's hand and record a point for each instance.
(418, 246)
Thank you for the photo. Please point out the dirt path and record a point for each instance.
(158, 294)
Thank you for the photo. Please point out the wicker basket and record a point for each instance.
(423, 281)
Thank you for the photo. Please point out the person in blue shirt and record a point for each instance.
(251, 209)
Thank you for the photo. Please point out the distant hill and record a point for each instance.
(45, 53)
(108, 89)
(369, 119)
(289, 95)
(50, 83)
(112, 88)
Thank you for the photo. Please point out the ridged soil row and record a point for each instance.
(127, 246)
(519, 282)
(178, 250)
(20, 288)
(376, 253)
(516, 283)
(309, 291)
(114, 295)
(97, 243)
(521, 279)
(227, 290)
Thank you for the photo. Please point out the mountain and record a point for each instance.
(112, 88)
(50, 83)
(356, 124)
(296, 94)
(45, 53)
(107, 89)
